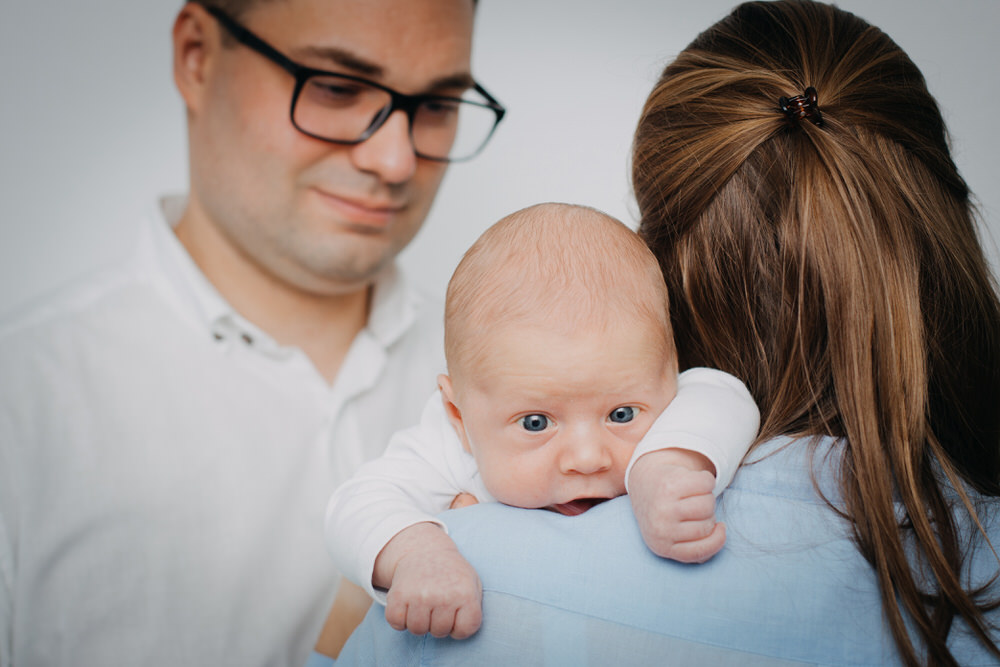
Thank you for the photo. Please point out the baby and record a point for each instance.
(560, 362)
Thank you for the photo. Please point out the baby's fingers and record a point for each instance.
(395, 614)
(467, 620)
(445, 620)
(693, 531)
(413, 617)
(700, 550)
(687, 483)
(695, 508)
(442, 621)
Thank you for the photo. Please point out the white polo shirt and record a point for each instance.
(165, 465)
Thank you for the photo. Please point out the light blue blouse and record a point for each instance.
(789, 587)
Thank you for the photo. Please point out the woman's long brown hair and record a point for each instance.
(836, 269)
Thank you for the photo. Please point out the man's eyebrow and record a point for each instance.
(341, 57)
(366, 68)
(463, 81)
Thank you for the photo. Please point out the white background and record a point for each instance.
(93, 130)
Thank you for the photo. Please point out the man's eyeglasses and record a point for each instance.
(345, 109)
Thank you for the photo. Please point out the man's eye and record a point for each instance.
(623, 414)
(341, 92)
(439, 107)
(334, 92)
(534, 423)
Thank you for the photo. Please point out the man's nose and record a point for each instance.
(389, 152)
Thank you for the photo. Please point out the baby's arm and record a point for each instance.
(374, 521)
(432, 588)
(688, 457)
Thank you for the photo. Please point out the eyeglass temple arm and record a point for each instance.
(251, 40)
(500, 109)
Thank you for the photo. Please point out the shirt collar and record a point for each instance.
(197, 295)
(394, 306)
(394, 303)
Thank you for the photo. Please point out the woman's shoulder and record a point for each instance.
(790, 557)
(784, 560)
(803, 469)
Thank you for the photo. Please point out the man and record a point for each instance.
(170, 430)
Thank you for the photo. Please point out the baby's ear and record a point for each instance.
(452, 411)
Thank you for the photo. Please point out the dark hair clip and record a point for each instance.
(802, 106)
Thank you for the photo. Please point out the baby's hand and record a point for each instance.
(671, 491)
(433, 588)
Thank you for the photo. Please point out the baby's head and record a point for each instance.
(560, 354)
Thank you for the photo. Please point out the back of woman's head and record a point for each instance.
(832, 263)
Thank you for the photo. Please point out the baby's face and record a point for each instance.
(552, 420)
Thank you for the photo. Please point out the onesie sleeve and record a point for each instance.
(412, 481)
(713, 414)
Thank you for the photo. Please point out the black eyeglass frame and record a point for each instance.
(406, 103)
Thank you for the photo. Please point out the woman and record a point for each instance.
(794, 179)
(848, 288)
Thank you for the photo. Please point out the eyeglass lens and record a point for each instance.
(342, 109)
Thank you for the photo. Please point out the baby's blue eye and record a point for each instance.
(534, 423)
(623, 414)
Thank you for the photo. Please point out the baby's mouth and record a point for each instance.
(575, 507)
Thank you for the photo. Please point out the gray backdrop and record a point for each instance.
(93, 128)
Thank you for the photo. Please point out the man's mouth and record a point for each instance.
(366, 212)
(576, 507)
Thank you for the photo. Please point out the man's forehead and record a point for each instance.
(427, 43)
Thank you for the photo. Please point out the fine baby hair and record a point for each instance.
(563, 265)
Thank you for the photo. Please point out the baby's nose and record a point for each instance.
(586, 454)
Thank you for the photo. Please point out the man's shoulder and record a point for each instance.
(95, 313)
(121, 278)
(73, 300)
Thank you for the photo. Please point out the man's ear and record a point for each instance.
(195, 39)
(452, 411)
